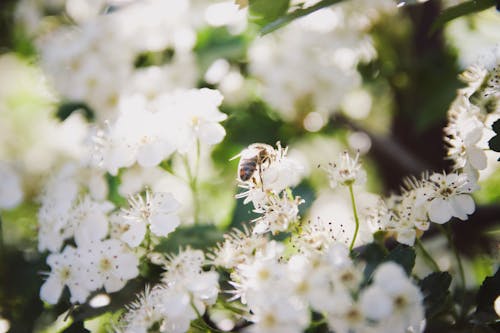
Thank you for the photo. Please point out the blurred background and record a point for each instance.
(367, 76)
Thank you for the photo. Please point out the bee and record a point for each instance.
(253, 160)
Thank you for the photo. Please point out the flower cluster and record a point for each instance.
(435, 198)
(471, 115)
(148, 132)
(73, 208)
(114, 195)
(182, 296)
(278, 293)
(323, 49)
(108, 263)
(32, 141)
(94, 61)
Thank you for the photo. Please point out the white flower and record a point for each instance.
(193, 115)
(349, 318)
(66, 270)
(184, 271)
(310, 279)
(327, 70)
(282, 172)
(171, 305)
(316, 236)
(239, 247)
(143, 313)
(11, 192)
(168, 307)
(278, 315)
(137, 135)
(346, 172)
(375, 303)
(407, 307)
(157, 211)
(463, 133)
(406, 215)
(176, 308)
(449, 196)
(109, 263)
(88, 220)
(278, 214)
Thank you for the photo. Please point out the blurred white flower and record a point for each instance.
(195, 116)
(407, 310)
(323, 49)
(11, 193)
(149, 131)
(64, 214)
(88, 220)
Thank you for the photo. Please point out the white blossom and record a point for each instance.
(66, 270)
(109, 263)
(347, 171)
(156, 211)
(278, 214)
(448, 195)
(11, 192)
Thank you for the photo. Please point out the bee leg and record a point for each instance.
(260, 176)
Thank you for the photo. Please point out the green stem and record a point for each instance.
(449, 236)
(2, 246)
(448, 233)
(356, 218)
(193, 180)
(202, 323)
(286, 19)
(427, 257)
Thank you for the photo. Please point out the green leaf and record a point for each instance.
(464, 8)
(373, 254)
(215, 43)
(284, 20)
(494, 142)
(265, 11)
(67, 108)
(404, 256)
(435, 289)
(76, 327)
(197, 237)
(114, 195)
(488, 292)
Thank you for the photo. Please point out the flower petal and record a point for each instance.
(135, 234)
(211, 133)
(163, 224)
(462, 206)
(439, 211)
(51, 290)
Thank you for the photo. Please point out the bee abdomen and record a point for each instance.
(247, 170)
